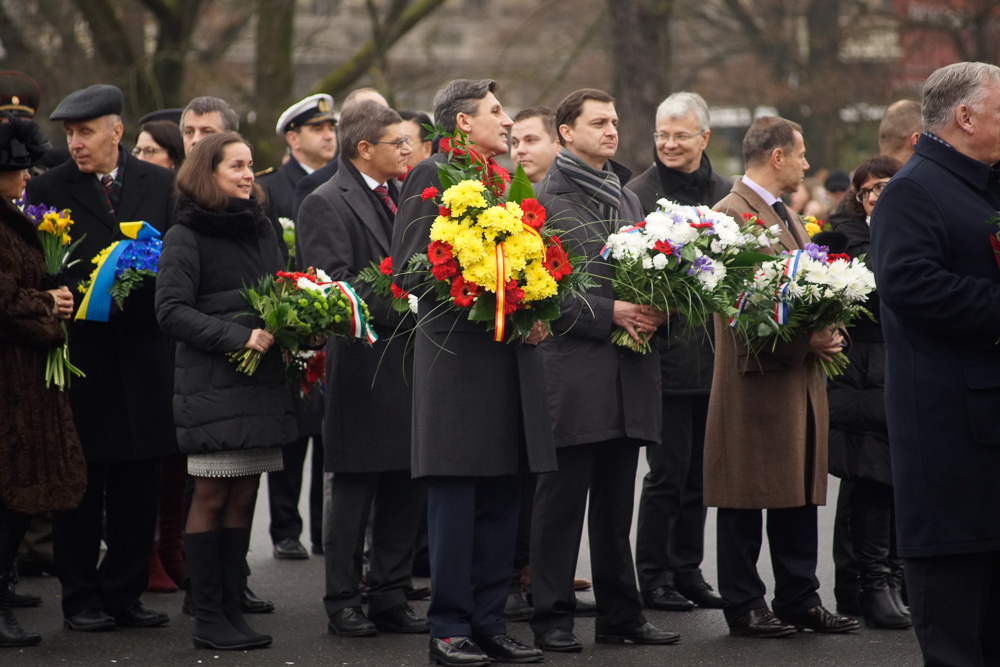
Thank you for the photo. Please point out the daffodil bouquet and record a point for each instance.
(686, 259)
(302, 309)
(57, 246)
(799, 292)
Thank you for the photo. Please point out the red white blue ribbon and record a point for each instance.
(606, 251)
(791, 267)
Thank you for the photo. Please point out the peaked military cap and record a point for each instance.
(19, 94)
(310, 111)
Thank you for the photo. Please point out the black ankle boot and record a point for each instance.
(870, 535)
(11, 634)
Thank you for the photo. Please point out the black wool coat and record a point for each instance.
(687, 354)
(208, 258)
(343, 228)
(479, 407)
(939, 285)
(122, 408)
(597, 390)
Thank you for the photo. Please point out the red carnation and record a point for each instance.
(429, 193)
(464, 292)
(439, 252)
(533, 213)
(748, 216)
(830, 259)
(513, 295)
(556, 262)
(663, 247)
(385, 266)
(446, 270)
(397, 292)
(444, 211)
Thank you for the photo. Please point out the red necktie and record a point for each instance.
(383, 194)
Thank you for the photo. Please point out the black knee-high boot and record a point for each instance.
(205, 566)
(235, 543)
(870, 528)
(13, 525)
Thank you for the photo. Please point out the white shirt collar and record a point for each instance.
(372, 183)
(768, 198)
(113, 174)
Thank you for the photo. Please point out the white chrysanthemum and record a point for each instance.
(286, 224)
(647, 262)
(305, 283)
(322, 276)
(659, 261)
(412, 300)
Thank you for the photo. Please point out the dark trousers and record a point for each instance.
(284, 487)
(792, 535)
(471, 529)
(522, 547)
(670, 535)
(845, 580)
(126, 494)
(607, 471)
(955, 604)
(395, 503)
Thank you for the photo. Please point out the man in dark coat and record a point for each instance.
(605, 400)
(123, 406)
(480, 415)
(765, 442)
(344, 227)
(309, 129)
(939, 283)
(670, 537)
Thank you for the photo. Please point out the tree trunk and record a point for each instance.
(274, 75)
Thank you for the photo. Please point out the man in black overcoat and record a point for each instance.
(670, 536)
(480, 414)
(604, 399)
(309, 129)
(122, 407)
(938, 276)
(344, 227)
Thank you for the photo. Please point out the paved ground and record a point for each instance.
(299, 629)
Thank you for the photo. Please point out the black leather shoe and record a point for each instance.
(516, 608)
(584, 608)
(400, 618)
(760, 622)
(90, 620)
(290, 549)
(644, 634)
(504, 648)
(351, 622)
(251, 604)
(702, 595)
(819, 619)
(666, 598)
(137, 616)
(558, 640)
(22, 600)
(457, 652)
(417, 592)
(317, 549)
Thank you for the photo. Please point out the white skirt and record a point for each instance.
(235, 464)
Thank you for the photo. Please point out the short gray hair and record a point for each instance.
(363, 121)
(203, 105)
(949, 87)
(679, 105)
(460, 96)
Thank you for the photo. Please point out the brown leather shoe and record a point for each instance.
(818, 619)
(761, 623)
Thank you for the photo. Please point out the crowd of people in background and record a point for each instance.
(158, 450)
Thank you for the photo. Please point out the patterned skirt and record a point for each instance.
(235, 464)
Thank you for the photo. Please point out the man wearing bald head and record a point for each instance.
(899, 130)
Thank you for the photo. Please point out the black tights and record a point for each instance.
(13, 526)
(222, 502)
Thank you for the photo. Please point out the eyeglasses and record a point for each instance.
(148, 151)
(398, 143)
(876, 190)
(679, 138)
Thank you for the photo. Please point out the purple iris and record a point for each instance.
(701, 264)
(816, 252)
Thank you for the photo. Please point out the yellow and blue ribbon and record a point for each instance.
(96, 304)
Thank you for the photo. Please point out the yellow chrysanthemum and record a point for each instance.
(499, 220)
(484, 273)
(463, 195)
(445, 230)
(539, 283)
(470, 247)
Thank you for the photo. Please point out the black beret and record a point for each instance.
(93, 102)
(837, 181)
(22, 143)
(173, 115)
(19, 94)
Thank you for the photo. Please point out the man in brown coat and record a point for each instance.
(765, 443)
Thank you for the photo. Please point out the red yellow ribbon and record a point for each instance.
(501, 292)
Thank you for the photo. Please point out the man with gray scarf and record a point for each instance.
(605, 399)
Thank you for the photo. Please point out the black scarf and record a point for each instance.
(688, 189)
(239, 218)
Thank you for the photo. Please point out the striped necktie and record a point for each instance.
(383, 194)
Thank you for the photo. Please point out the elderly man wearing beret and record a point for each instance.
(122, 407)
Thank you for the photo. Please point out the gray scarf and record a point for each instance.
(602, 184)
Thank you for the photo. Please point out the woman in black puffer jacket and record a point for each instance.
(859, 439)
(231, 425)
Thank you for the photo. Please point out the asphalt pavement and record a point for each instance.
(300, 638)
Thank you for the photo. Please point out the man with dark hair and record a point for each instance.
(939, 285)
(534, 141)
(471, 465)
(309, 129)
(670, 537)
(345, 226)
(765, 444)
(421, 140)
(605, 400)
(123, 407)
(204, 116)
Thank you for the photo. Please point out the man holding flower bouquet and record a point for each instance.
(766, 439)
(605, 399)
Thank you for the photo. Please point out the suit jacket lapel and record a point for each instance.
(787, 237)
(133, 192)
(363, 207)
(85, 189)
